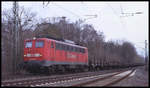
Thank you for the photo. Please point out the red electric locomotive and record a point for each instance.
(53, 55)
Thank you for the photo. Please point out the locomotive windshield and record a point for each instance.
(39, 44)
(28, 44)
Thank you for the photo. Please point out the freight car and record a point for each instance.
(53, 55)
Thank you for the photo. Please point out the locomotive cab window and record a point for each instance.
(80, 50)
(67, 48)
(76, 49)
(56, 45)
(73, 49)
(52, 45)
(63, 47)
(70, 48)
(83, 50)
(28, 45)
(39, 44)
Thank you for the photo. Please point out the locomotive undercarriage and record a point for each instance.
(40, 67)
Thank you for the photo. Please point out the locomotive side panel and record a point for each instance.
(47, 50)
(60, 53)
(52, 50)
(86, 56)
(58, 56)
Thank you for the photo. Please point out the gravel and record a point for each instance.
(139, 78)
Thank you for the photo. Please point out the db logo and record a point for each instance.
(71, 56)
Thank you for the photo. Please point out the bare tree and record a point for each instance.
(17, 20)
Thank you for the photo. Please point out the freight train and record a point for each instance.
(48, 54)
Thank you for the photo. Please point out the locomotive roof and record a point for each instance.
(57, 42)
(69, 44)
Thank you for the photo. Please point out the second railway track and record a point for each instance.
(78, 79)
(107, 80)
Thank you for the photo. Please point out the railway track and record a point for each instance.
(107, 80)
(61, 80)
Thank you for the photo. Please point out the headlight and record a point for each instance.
(25, 55)
(40, 55)
(33, 55)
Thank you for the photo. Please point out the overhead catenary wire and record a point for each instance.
(67, 10)
(122, 12)
(85, 5)
(123, 25)
(89, 10)
(113, 9)
(121, 9)
(46, 4)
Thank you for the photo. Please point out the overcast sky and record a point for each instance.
(109, 20)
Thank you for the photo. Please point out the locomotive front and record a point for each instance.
(34, 53)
